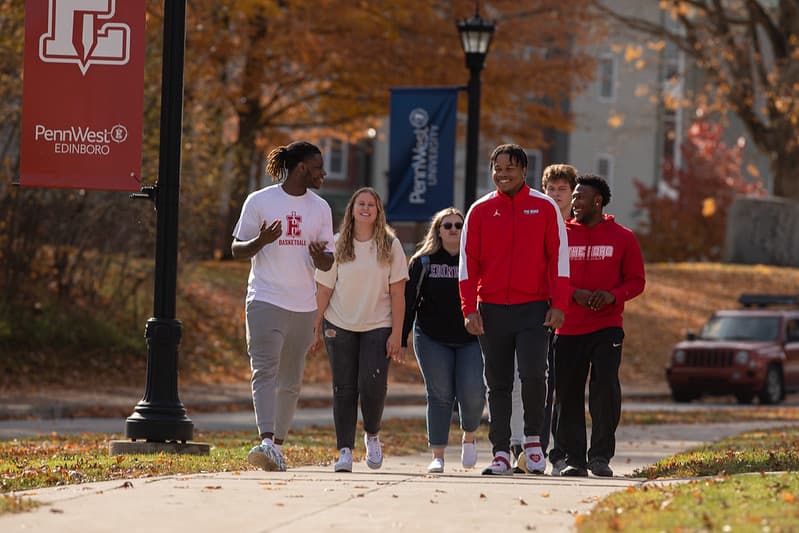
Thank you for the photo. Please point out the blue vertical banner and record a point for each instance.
(421, 152)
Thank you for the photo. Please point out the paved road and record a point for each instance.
(233, 421)
(245, 421)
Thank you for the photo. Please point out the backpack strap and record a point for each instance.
(425, 260)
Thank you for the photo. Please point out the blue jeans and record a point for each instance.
(360, 370)
(450, 371)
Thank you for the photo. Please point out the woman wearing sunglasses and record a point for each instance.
(449, 357)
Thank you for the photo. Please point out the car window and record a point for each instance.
(741, 328)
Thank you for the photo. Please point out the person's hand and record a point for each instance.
(317, 336)
(394, 349)
(554, 318)
(474, 323)
(270, 233)
(317, 250)
(581, 296)
(599, 299)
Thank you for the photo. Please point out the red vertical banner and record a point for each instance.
(83, 94)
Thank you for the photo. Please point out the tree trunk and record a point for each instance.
(785, 171)
(245, 152)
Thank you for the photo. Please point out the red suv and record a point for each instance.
(744, 352)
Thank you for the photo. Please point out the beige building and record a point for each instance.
(636, 112)
(631, 117)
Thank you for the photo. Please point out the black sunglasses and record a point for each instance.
(448, 225)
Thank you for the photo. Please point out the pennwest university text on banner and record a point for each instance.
(83, 94)
(421, 152)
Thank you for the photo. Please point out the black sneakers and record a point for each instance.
(600, 468)
(574, 471)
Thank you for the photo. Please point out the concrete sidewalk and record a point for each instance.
(400, 496)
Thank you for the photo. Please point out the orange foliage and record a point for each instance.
(263, 72)
(745, 55)
(688, 211)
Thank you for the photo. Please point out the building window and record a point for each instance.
(604, 167)
(673, 95)
(607, 78)
(534, 169)
(335, 154)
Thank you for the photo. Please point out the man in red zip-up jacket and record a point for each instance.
(606, 269)
(513, 261)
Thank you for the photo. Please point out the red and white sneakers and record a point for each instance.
(500, 466)
(534, 459)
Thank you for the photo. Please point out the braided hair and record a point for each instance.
(282, 160)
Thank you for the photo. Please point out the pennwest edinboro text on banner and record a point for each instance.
(421, 152)
(83, 94)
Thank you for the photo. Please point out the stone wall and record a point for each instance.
(763, 231)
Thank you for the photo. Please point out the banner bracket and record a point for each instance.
(146, 193)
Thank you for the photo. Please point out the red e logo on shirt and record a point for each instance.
(293, 221)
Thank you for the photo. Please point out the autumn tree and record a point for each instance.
(261, 71)
(748, 54)
(687, 213)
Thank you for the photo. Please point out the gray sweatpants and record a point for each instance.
(277, 341)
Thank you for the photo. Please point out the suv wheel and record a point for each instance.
(772, 391)
(683, 396)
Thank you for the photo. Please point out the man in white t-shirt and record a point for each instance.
(286, 231)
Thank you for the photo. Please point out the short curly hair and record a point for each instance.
(598, 183)
(515, 152)
(558, 172)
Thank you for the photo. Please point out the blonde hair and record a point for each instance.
(432, 240)
(383, 234)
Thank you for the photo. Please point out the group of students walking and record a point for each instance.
(518, 301)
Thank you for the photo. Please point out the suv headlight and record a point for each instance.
(679, 357)
(741, 357)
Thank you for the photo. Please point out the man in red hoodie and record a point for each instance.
(514, 259)
(606, 270)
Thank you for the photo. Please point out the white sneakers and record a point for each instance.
(436, 466)
(267, 457)
(500, 466)
(534, 460)
(469, 453)
(374, 452)
(374, 455)
(344, 463)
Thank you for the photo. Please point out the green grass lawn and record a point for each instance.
(64, 459)
(737, 494)
(745, 502)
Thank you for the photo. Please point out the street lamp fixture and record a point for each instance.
(476, 33)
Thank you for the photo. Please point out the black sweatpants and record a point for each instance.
(514, 331)
(575, 355)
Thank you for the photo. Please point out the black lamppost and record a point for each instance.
(476, 34)
(160, 415)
